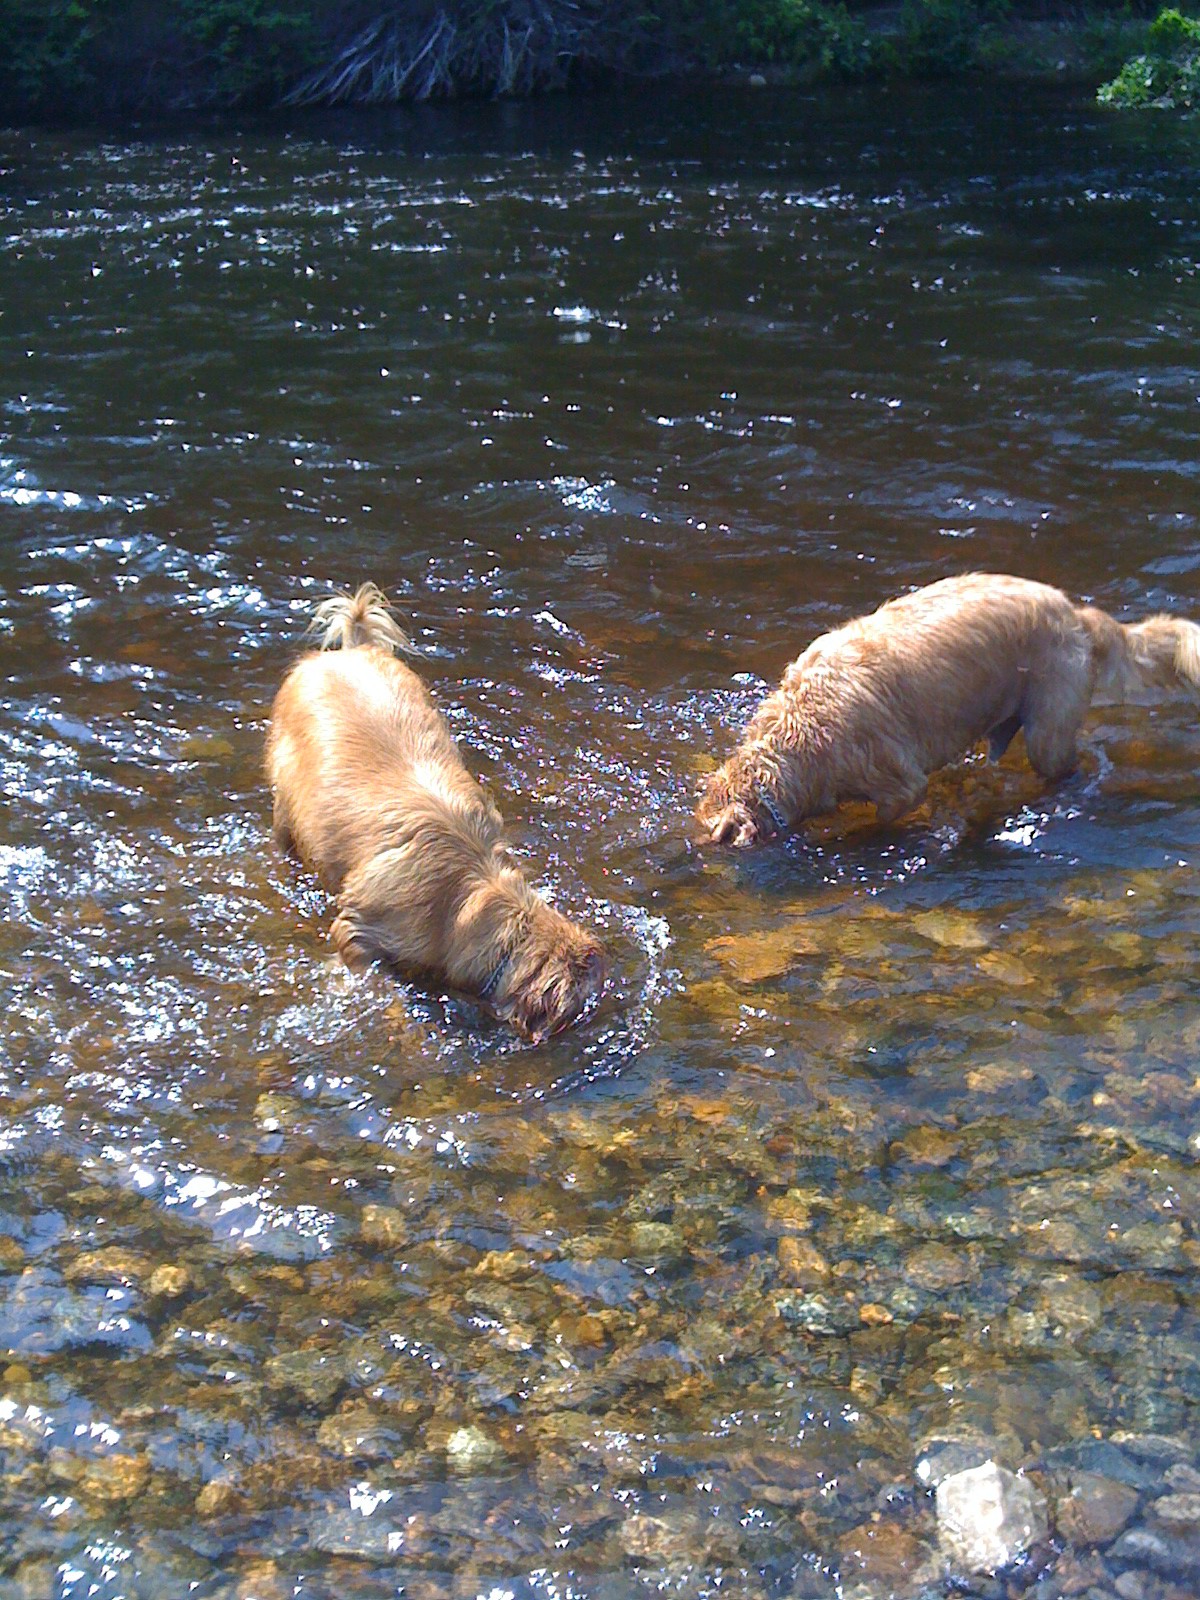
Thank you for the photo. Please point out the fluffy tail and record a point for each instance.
(1138, 662)
(364, 617)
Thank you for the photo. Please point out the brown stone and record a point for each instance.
(114, 1478)
(936, 1267)
(874, 1315)
(801, 1263)
(882, 1552)
(170, 1281)
(1094, 1509)
(927, 1147)
(113, 1264)
(383, 1225)
(218, 1497)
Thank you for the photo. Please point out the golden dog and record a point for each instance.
(869, 710)
(371, 793)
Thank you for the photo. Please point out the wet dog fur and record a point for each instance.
(870, 709)
(371, 793)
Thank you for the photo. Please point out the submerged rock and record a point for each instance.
(386, 1226)
(936, 1267)
(801, 1264)
(170, 1281)
(1183, 1510)
(887, 1556)
(942, 1458)
(817, 1313)
(470, 1449)
(1170, 1551)
(670, 1539)
(987, 1517)
(1095, 1508)
(312, 1374)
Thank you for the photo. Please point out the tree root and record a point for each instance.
(510, 47)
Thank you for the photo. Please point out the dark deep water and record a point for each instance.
(885, 1142)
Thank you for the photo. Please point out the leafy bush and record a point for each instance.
(46, 46)
(1168, 74)
(1171, 32)
(941, 38)
(102, 55)
(254, 47)
(799, 33)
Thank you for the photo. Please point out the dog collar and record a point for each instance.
(772, 810)
(493, 982)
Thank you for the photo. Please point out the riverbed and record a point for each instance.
(879, 1157)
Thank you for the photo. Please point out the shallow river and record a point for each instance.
(880, 1156)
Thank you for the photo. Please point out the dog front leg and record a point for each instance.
(352, 943)
(380, 916)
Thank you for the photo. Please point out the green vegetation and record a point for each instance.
(1168, 73)
(60, 57)
(82, 57)
(941, 38)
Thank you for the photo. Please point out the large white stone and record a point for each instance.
(987, 1516)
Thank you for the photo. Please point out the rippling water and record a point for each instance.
(884, 1142)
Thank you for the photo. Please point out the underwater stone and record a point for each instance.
(469, 1449)
(383, 1225)
(987, 1516)
(170, 1281)
(1181, 1509)
(1172, 1554)
(817, 1313)
(882, 1552)
(936, 1267)
(940, 1458)
(1095, 1509)
(801, 1263)
(313, 1374)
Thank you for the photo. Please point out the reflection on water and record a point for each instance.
(880, 1156)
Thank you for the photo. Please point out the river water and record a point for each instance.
(880, 1156)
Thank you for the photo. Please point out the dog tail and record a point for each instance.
(1138, 662)
(364, 617)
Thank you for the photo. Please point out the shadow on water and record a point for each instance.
(879, 1156)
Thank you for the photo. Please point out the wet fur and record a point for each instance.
(371, 793)
(870, 709)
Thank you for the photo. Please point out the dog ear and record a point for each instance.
(593, 965)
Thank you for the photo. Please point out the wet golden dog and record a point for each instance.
(371, 793)
(869, 710)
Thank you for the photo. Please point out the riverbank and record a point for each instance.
(79, 61)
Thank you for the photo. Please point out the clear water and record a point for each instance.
(882, 1137)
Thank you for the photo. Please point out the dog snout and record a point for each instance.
(734, 826)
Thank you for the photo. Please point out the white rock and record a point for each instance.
(987, 1516)
(469, 1449)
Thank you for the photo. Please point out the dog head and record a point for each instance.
(731, 810)
(553, 974)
